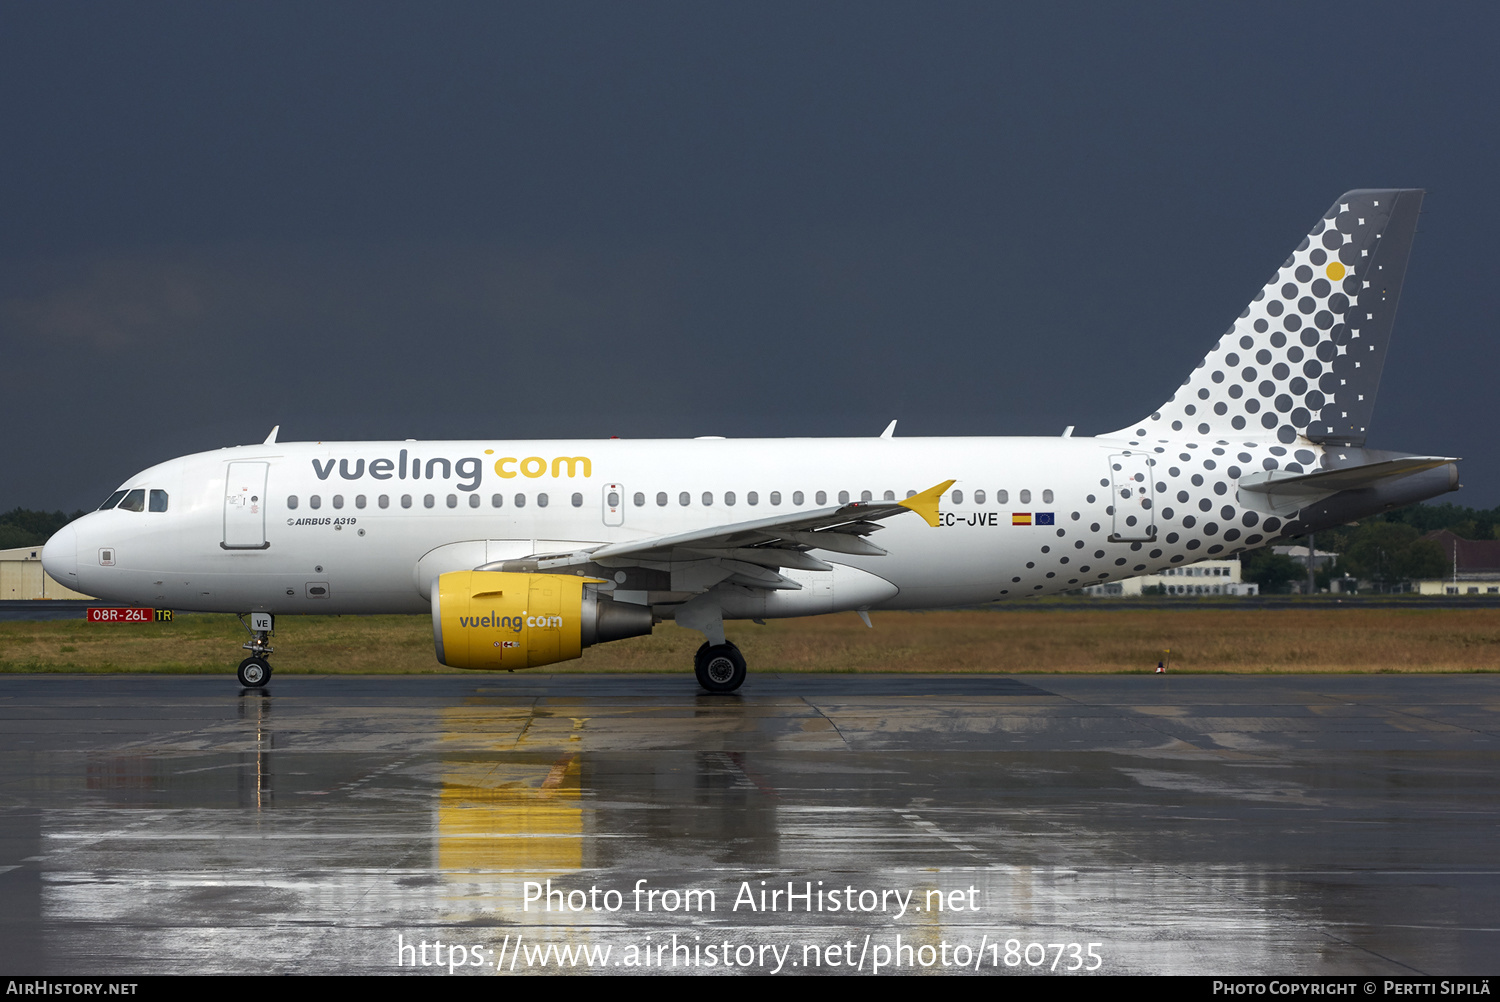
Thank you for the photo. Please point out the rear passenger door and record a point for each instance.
(1133, 500)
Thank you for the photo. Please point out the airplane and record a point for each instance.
(526, 552)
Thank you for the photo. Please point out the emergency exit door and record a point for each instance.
(614, 504)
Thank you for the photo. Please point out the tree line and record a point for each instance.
(1386, 550)
(24, 527)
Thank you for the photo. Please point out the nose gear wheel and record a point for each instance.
(254, 672)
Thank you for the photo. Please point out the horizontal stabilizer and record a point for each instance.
(1280, 492)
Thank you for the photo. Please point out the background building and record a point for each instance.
(1474, 566)
(1207, 577)
(22, 577)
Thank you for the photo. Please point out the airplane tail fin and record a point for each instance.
(1304, 358)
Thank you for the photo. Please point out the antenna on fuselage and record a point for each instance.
(271, 438)
(890, 430)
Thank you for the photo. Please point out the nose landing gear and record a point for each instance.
(255, 671)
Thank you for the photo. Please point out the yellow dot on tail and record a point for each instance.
(1335, 271)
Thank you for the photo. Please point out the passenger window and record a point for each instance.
(541, 500)
(776, 497)
(661, 499)
(452, 500)
(796, 497)
(158, 500)
(821, 497)
(497, 500)
(612, 499)
(406, 500)
(684, 499)
(338, 500)
(843, 497)
(729, 497)
(359, 500)
(134, 501)
(315, 502)
(639, 499)
(979, 497)
(291, 502)
(473, 500)
(428, 501)
(708, 498)
(752, 498)
(890, 495)
(385, 501)
(958, 497)
(1026, 497)
(114, 499)
(520, 500)
(1002, 497)
(1047, 497)
(866, 496)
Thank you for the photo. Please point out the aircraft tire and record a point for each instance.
(720, 668)
(254, 672)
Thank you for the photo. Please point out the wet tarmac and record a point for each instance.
(991, 824)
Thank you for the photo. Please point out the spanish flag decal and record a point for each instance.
(1020, 518)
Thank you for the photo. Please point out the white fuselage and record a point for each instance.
(341, 550)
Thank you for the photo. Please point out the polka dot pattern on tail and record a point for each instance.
(1311, 339)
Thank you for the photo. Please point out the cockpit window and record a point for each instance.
(158, 500)
(134, 501)
(112, 500)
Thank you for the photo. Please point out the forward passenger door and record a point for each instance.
(245, 507)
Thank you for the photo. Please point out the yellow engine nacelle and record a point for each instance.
(504, 620)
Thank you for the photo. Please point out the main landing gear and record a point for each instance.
(720, 667)
(255, 671)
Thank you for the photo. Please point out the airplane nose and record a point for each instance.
(60, 557)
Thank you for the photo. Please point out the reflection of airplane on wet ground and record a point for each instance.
(1194, 823)
(527, 552)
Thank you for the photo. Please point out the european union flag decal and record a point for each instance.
(1044, 518)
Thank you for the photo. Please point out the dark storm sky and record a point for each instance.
(665, 220)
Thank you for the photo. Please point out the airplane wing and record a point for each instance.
(751, 551)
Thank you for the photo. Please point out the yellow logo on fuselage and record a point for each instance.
(536, 466)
